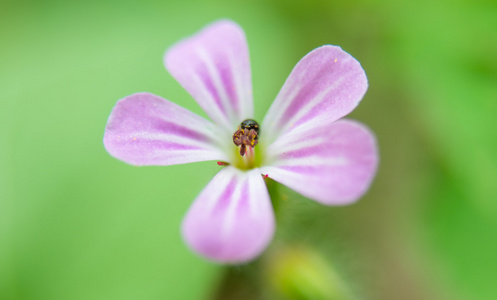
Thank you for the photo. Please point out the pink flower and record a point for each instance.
(301, 143)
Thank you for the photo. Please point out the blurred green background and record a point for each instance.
(76, 223)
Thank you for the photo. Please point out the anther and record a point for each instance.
(247, 135)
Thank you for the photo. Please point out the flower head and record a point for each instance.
(302, 142)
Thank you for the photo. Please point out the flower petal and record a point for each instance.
(331, 164)
(213, 66)
(144, 129)
(325, 85)
(232, 219)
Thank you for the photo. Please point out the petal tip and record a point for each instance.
(336, 170)
(216, 26)
(231, 221)
(221, 253)
(338, 55)
(369, 163)
(145, 129)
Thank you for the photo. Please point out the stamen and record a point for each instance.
(246, 135)
(246, 138)
(243, 149)
(222, 163)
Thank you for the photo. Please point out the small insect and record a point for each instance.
(250, 124)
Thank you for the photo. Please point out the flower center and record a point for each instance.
(246, 138)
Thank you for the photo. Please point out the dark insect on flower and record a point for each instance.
(250, 124)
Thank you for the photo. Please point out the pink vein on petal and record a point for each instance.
(213, 66)
(232, 218)
(324, 86)
(144, 129)
(333, 165)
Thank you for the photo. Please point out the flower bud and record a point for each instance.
(299, 273)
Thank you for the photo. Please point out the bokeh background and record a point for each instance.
(76, 223)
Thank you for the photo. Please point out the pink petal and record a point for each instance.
(213, 66)
(325, 85)
(144, 129)
(232, 219)
(332, 164)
